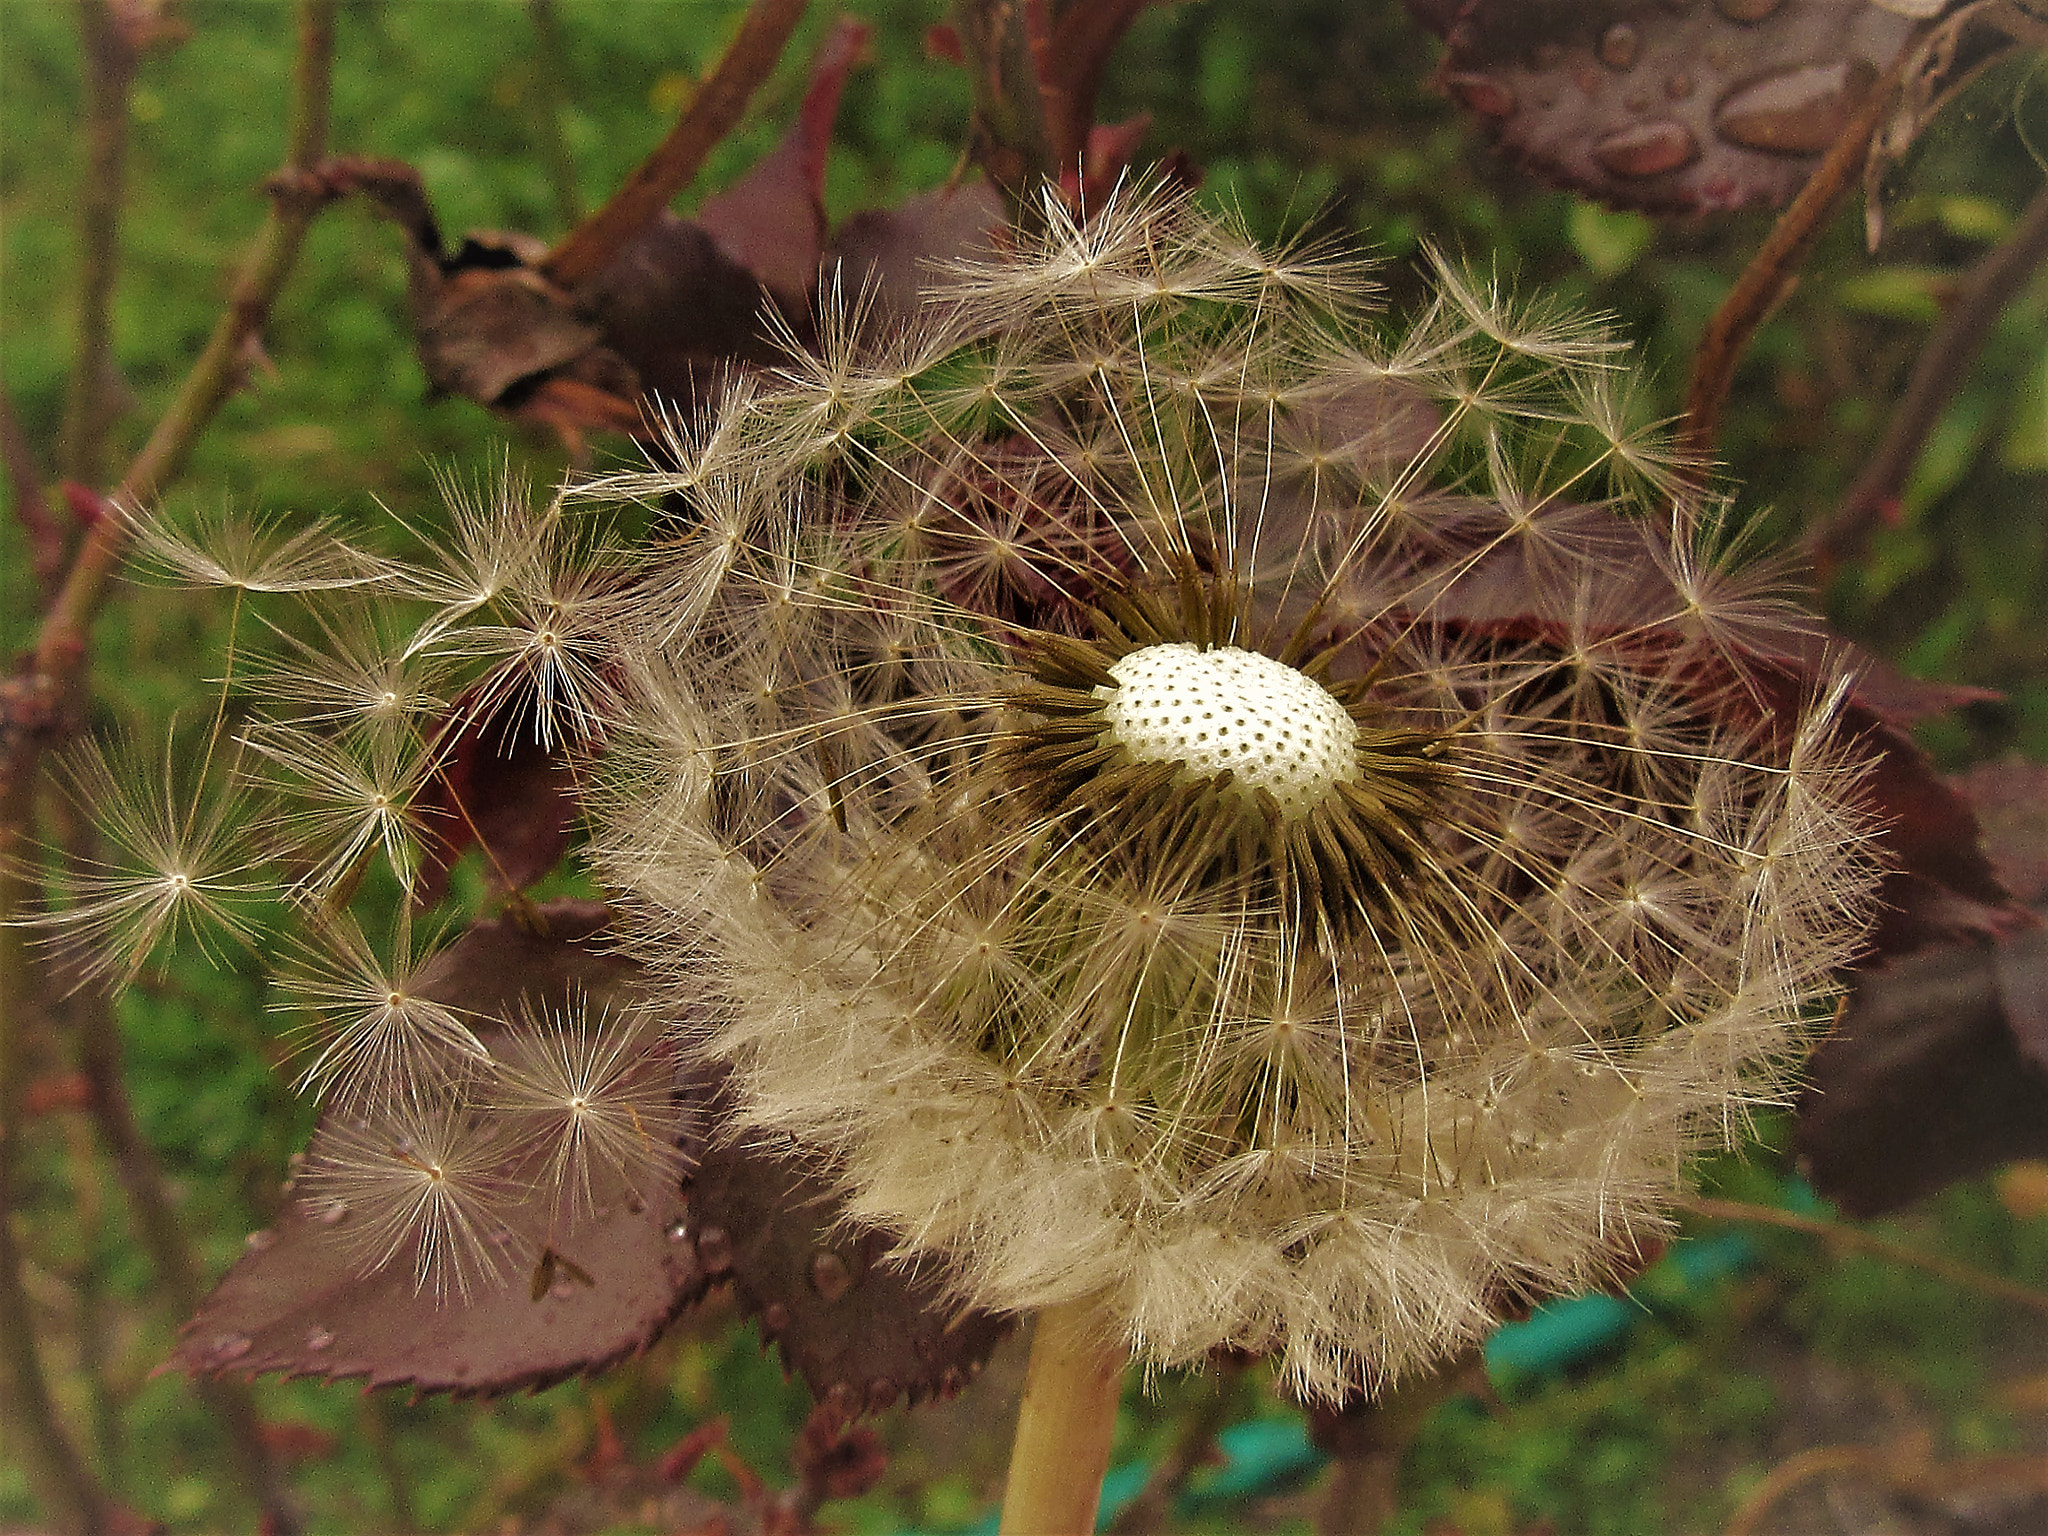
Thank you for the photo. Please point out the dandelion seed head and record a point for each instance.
(1195, 802)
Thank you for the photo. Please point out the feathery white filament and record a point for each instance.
(1271, 726)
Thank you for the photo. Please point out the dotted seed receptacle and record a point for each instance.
(1268, 724)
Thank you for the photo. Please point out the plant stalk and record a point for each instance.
(1064, 1426)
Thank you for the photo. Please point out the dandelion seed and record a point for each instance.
(251, 554)
(355, 677)
(595, 1097)
(353, 800)
(177, 861)
(416, 1182)
(375, 1037)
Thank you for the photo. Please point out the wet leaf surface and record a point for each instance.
(862, 1333)
(295, 1302)
(1668, 108)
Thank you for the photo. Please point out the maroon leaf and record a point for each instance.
(1926, 1078)
(773, 221)
(296, 1303)
(500, 787)
(860, 1331)
(2011, 803)
(894, 254)
(670, 314)
(1667, 108)
(1940, 885)
(1938, 1065)
(488, 325)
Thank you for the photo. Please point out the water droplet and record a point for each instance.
(333, 1214)
(679, 1233)
(1482, 94)
(1647, 149)
(775, 1319)
(634, 1203)
(1678, 84)
(562, 1289)
(714, 1250)
(1747, 10)
(260, 1240)
(844, 1398)
(1620, 46)
(881, 1394)
(1796, 112)
(830, 1277)
(229, 1347)
(318, 1339)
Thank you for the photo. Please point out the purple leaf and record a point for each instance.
(772, 222)
(893, 254)
(297, 1302)
(1668, 108)
(860, 1331)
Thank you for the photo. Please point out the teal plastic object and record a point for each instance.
(1264, 1456)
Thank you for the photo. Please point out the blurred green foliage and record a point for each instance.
(1309, 115)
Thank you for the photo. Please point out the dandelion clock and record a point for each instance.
(1227, 822)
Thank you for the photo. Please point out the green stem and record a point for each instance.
(1064, 1426)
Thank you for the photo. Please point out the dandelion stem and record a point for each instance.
(1061, 1452)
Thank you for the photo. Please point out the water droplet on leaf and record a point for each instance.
(1647, 149)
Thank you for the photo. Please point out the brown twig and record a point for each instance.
(110, 57)
(71, 1496)
(1035, 67)
(550, 64)
(1856, 1238)
(32, 704)
(1819, 1461)
(1071, 62)
(1772, 271)
(1369, 1439)
(31, 506)
(711, 115)
(1011, 140)
(1943, 364)
(177, 1269)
